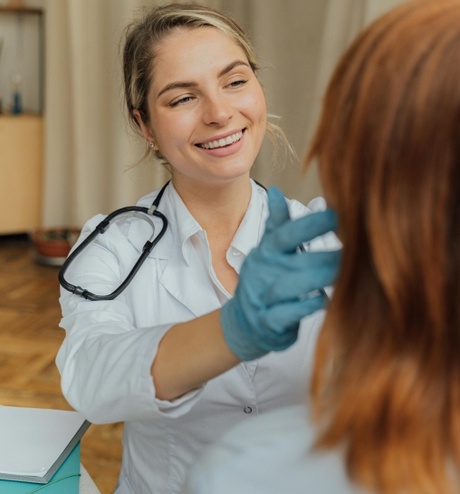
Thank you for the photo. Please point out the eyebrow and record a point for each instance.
(190, 84)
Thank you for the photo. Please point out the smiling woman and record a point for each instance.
(206, 109)
(180, 356)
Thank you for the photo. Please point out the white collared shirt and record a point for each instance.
(105, 360)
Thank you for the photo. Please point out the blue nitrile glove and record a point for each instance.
(279, 285)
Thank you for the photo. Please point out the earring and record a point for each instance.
(151, 145)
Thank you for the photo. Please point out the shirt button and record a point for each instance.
(247, 410)
(236, 253)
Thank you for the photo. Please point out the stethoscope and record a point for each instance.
(102, 227)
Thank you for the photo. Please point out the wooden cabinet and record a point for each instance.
(21, 134)
(21, 172)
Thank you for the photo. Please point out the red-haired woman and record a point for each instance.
(385, 401)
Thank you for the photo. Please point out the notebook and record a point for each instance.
(35, 442)
(65, 481)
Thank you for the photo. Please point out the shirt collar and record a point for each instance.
(182, 225)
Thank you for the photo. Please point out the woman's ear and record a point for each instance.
(146, 132)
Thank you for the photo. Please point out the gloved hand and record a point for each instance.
(279, 285)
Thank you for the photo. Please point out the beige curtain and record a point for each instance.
(342, 22)
(88, 143)
(89, 147)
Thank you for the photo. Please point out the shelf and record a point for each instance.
(21, 169)
(22, 57)
(20, 10)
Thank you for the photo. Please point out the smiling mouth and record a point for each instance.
(222, 143)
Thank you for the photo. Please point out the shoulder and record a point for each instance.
(126, 229)
(271, 454)
(146, 200)
(329, 241)
(297, 209)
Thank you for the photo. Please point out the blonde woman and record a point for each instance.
(196, 342)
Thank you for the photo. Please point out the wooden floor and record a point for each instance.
(29, 339)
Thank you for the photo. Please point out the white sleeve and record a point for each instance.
(105, 360)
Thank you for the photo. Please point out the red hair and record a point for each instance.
(388, 150)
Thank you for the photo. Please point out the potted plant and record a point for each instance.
(52, 245)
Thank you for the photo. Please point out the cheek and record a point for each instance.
(171, 129)
(260, 105)
(263, 114)
(255, 108)
(261, 111)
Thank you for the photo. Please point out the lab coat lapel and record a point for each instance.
(186, 282)
(188, 285)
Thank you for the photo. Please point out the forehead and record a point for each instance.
(190, 52)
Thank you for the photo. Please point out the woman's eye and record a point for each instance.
(181, 101)
(238, 83)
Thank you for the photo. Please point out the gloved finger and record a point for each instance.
(273, 336)
(278, 208)
(290, 313)
(280, 320)
(280, 341)
(299, 261)
(288, 236)
(293, 286)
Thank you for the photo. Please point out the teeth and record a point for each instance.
(222, 142)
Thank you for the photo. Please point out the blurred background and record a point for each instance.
(65, 147)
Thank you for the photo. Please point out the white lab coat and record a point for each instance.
(273, 455)
(106, 357)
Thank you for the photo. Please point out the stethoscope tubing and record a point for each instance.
(100, 229)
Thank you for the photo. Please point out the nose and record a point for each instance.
(217, 110)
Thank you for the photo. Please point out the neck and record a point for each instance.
(218, 208)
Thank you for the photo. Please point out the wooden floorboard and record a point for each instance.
(29, 340)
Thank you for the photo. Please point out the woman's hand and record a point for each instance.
(279, 285)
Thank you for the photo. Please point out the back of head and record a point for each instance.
(388, 150)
